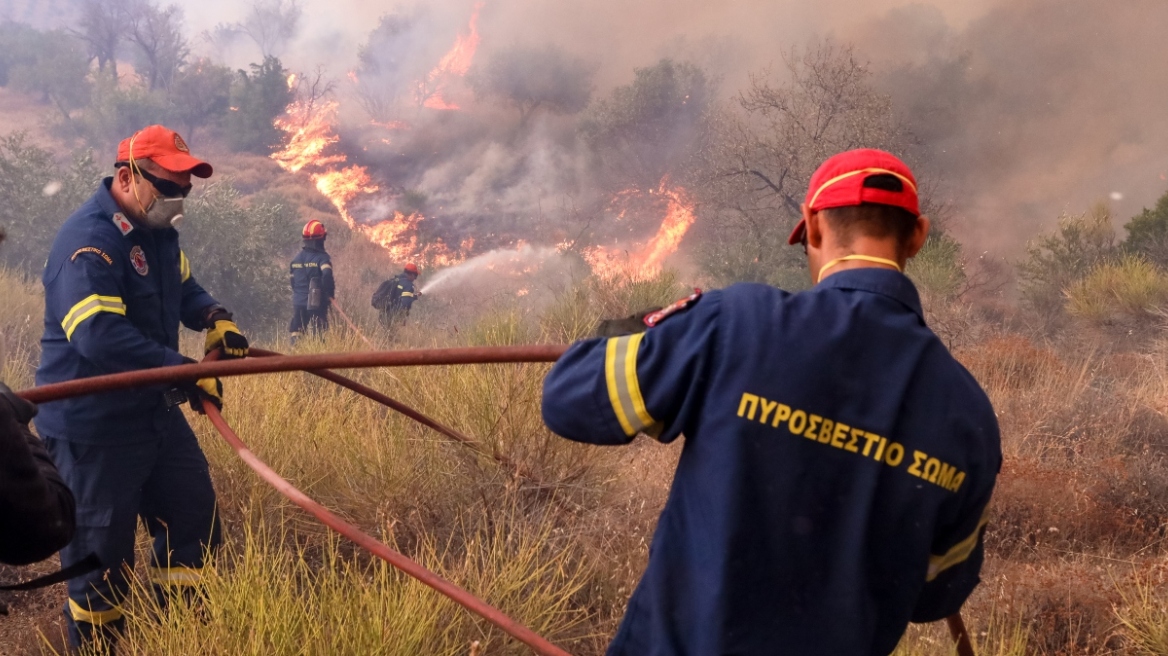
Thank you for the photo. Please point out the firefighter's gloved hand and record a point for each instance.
(626, 326)
(204, 388)
(223, 333)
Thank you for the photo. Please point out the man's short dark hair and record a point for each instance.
(872, 219)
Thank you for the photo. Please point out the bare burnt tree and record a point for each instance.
(157, 33)
(763, 148)
(272, 24)
(531, 79)
(103, 27)
(397, 57)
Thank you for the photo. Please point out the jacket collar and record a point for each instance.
(886, 282)
(105, 199)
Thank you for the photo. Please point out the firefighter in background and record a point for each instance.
(117, 286)
(313, 287)
(838, 461)
(395, 296)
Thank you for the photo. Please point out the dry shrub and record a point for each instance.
(1131, 288)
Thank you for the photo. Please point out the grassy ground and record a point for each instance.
(1076, 549)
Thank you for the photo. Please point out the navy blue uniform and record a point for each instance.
(837, 467)
(115, 293)
(394, 298)
(312, 262)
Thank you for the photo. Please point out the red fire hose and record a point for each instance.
(268, 362)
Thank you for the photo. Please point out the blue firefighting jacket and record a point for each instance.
(395, 294)
(311, 262)
(115, 293)
(834, 480)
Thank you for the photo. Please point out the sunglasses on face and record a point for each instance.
(165, 187)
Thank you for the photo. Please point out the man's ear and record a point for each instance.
(919, 236)
(814, 227)
(122, 178)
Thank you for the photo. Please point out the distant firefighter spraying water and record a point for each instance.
(312, 283)
(395, 296)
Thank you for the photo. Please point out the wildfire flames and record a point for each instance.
(455, 63)
(310, 134)
(647, 261)
(312, 148)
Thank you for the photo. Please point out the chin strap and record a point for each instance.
(865, 258)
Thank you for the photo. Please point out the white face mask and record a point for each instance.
(164, 213)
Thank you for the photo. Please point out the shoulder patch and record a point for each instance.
(661, 315)
(123, 223)
(92, 249)
(138, 259)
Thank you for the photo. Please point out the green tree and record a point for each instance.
(118, 111)
(234, 249)
(257, 98)
(200, 95)
(157, 34)
(1147, 233)
(531, 79)
(36, 196)
(103, 27)
(1057, 260)
(646, 130)
(53, 65)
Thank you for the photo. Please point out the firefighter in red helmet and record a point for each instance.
(395, 296)
(312, 283)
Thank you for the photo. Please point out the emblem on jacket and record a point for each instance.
(122, 223)
(138, 259)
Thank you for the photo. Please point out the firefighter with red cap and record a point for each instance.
(313, 287)
(394, 298)
(838, 461)
(117, 286)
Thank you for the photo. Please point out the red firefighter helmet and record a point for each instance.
(314, 230)
(411, 268)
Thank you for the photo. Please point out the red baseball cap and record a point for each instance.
(165, 148)
(839, 182)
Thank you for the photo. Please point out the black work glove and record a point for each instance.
(627, 326)
(203, 388)
(36, 507)
(222, 333)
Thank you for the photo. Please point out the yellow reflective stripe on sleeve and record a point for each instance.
(95, 617)
(89, 306)
(624, 389)
(410, 294)
(326, 266)
(184, 266)
(960, 551)
(176, 575)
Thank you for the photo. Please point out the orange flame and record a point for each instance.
(310, 134)
(455, 63)
(647, 261)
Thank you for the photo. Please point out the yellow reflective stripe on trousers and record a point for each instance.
(184, 266)
(960, 551)
(176, 576)
(624, 389)
(95, 617)
(89, 306)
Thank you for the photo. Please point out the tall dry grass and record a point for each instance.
(1076, 550)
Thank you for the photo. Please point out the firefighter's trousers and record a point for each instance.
(166, 482)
